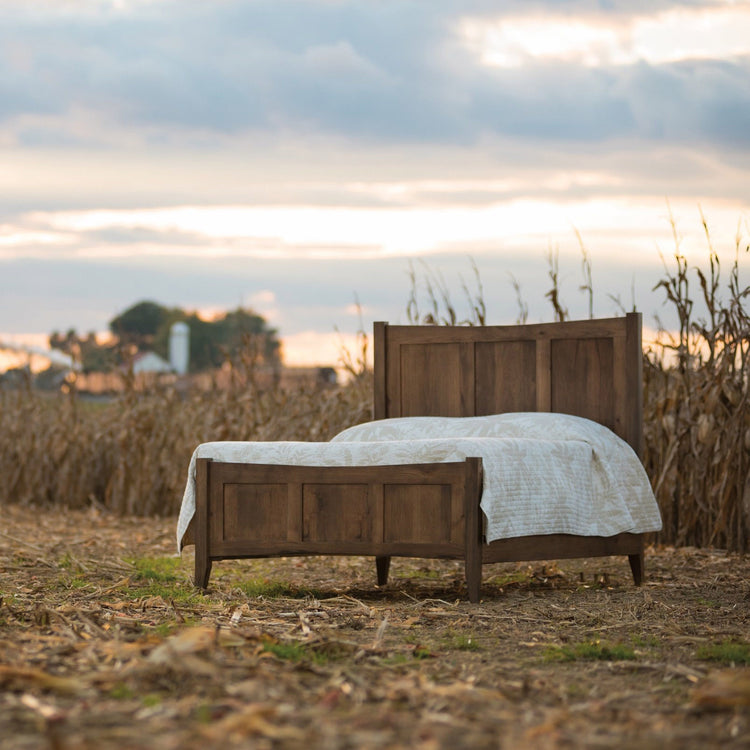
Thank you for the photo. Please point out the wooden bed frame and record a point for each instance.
(590, 368)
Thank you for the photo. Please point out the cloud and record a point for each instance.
(86, 293)
(602, 40)
(65, 291)
(397, 73)
(201, 154)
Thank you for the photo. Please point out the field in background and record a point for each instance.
(130, 455)
(696, 410)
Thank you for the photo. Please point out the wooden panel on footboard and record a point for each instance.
(259, 510)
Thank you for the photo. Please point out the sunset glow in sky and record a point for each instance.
(296, 156)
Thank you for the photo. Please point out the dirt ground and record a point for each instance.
(105, 643)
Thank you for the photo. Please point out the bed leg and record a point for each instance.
(636, 566)
(473, 531)
(202, 559)
(473, 579)
(383, 565)
(202, 573)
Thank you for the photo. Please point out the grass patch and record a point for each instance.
(396, 660)
(642, 641)
(121, 692)
(589, 651)
(160, 576)
(710, 603)
(425, 574)
(506, 579)
(204, 714)
(151, 700)
(66, 562)
(165, 629)
(294, 651)
(257, 587)
(162, 569)
(726, 652)
(460, 642)
(575, 691)
(176, 592)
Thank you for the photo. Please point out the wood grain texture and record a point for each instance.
(336, 512)
(432, 381)
(473, 529)
(380, 373)
(582, 379)
(251, 510)
(505, 376)
(202, 531)
(260, 510)
(632, 395)
(561, 546)
(589, 368)
(417, 514)
(543, 373)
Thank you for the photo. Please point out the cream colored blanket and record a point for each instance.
(543, 473)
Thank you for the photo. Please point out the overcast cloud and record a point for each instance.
(351, 138)
(394, 72)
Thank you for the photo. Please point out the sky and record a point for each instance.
(307, 158)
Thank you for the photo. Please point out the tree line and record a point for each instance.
(146, 327)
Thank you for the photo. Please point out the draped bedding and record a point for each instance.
(544, 473)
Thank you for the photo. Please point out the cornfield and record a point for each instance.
(696, 411)
(130, 456)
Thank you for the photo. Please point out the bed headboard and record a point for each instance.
(589, 368)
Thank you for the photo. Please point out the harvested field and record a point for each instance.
(105, 643)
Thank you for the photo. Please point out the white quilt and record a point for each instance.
(543, 473)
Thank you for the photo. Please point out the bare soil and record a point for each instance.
(105, 643)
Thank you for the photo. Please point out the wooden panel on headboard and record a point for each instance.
(590, 368)
(445, 383)
(583, 378)
(505, 375)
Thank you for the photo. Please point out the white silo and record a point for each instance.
(179, 347)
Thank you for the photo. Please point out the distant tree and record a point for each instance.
(146, 326)
(213, 342)
(99, 358)
(238, 327)
(140, 323)
(67, 343)
(204, 353)
(86, 350)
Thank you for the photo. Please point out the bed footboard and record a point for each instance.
(260, 510)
